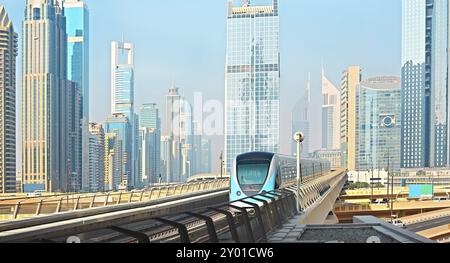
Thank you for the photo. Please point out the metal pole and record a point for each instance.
(298, 174)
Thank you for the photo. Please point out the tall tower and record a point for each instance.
(252, 79)
(8, 54)
(77, 27)
(96, 158)
(150, 131)
(349, 86)
(300, 121)
(425, 84)
(331, 115)
(44, 79)
(122, 98)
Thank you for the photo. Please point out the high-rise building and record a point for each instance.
(74, 137)
(378, 124)
(96, 158)
(44, 79)
(122, 99)
(77, 28)
(425, 84)
(111, 177)
(8, 54)
(150, 151)
(349, 85)
(252, 79)
(119, 125)
(300, 121)
(331, 115)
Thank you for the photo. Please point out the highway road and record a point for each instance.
(429, 224)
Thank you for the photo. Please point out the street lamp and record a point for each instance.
(299, 137)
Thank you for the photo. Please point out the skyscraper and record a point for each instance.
(8, 54)
(150, 131)
(122, 99)
(300, 121)
(73, 141)
(96, 158)
(118, 127)
(252, 79)
(44, 128)
(349, 85)
(378, 123)
(331, 115)
(425, 84)
(172, 156)
(77, 28)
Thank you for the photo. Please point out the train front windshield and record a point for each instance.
(253, 173)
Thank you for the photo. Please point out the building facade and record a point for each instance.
(334, 156)
(331, 115)
(252, 79)
(8, 54)
(118, 150)
(74, 136)
(77, 28)
(96, 158)
(150, 135)
(379, 123)
(425, 84)
(349, 85)
(44, 79)
(300, 121)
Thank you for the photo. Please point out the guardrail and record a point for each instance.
(188, 220)
(11, 209)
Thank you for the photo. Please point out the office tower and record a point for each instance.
(150, 130)
(118, 127)
(331, 115)
(96, 158)
(252, 79)
(425, 84)
(379, 124)
(44, 79)
(122, 99)
(349, 85)
(74, 136)
(300, 121)
(167, 159)
(205, 156)
(186, 140)
(8, 54)
(77, 28)
(112, 179)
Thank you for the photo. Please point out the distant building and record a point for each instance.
(334, 156)
(77, 28)
(96, 158)
(300, 122)
(252, 79)
(119, 125)
(74, 136)
(8, 54)
(331, 115)
(150, 147)
(379, 122)
(111, 178)
(351, 78)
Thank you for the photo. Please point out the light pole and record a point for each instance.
(299, 137)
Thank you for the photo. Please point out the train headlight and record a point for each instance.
(239, 193)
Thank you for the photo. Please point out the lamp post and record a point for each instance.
(299, 137)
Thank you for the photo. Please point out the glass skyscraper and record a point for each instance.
(119, 129)
(8, 54)
(425, 91)
(379, 124)
(252, 79)
(331, 115)
(44, 80)
(150, 147)
(300, 121)
(77, 28)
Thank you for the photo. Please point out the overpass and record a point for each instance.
(198, 212)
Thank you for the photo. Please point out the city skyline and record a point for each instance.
(154, 74)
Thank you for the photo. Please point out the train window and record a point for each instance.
(252, 173)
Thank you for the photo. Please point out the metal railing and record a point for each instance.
(20, 208)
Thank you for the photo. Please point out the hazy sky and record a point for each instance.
(184, 40)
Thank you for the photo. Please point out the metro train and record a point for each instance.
(257, 172)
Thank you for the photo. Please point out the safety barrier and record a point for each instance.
(45, 205)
